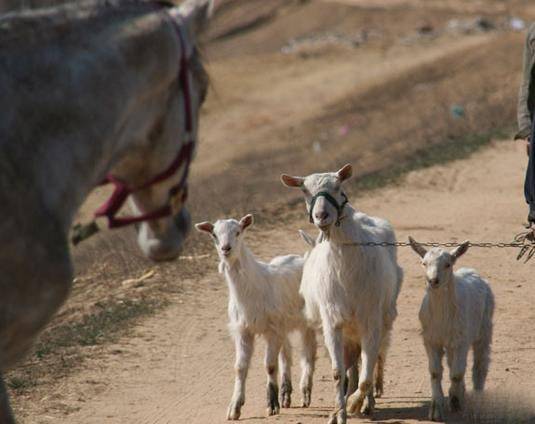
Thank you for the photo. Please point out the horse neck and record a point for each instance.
(65, 176)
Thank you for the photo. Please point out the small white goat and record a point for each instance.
(456, 314)
(264, 300)
(351, 289)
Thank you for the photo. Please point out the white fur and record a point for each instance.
(263, 300)
(351, 290)
(456, 315)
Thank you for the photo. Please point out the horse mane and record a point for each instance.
(34, 24)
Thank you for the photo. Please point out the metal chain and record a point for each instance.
(524, 241)
(487, 245)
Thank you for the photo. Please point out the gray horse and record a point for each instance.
(97, 91)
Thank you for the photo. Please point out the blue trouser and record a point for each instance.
(529, 182)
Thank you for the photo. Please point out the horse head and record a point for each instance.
(155, 175)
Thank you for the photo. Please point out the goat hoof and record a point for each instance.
(273, 406)
(307, 396)
(233, 414)
(354, 402)
(368, 406)
(234, 410)
(272, 410)
(286, 394)
(436, 411)
(455, 404)
(332, 419)
(286, 400)
(339, 417)
(379, 391)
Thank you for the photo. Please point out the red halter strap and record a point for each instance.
(184, 156)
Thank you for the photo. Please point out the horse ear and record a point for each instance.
(290, 181)
(345, 172)
(460, 250)
(246, 221)
(195, 15)
(417, 247)
(205, 227)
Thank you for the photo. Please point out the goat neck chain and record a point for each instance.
(524, 241)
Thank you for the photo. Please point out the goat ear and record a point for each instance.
(345, 172)
(460, 250)
(205, 227)
(290, 181)
(308, 238)
(417, 247)
(246, 221)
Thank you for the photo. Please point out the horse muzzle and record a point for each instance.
(166, 246)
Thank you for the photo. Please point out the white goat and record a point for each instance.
(264, 300)
(456, 314)
(351, 289)
(352, 368)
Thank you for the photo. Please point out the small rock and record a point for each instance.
(517, 24)
(425, 29)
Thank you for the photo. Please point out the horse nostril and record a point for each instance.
(322, 216)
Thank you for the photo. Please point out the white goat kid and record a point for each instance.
(456, 314)
(264, 300)
(351, 289)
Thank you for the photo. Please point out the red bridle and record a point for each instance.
(179, 192)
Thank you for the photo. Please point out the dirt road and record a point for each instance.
(178, 367)
(372, 103)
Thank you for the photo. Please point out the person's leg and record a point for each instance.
(529, 183)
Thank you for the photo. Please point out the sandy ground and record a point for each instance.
(270, 109)
(178, 367)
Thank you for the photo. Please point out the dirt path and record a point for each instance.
(257, 96)
(177, 368)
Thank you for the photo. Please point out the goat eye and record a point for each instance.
(237, 234)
